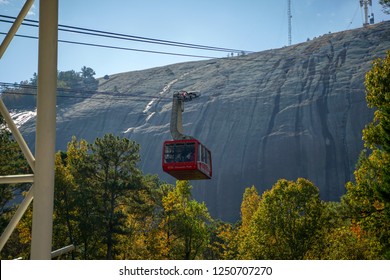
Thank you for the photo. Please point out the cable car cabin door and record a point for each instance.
(186, 160)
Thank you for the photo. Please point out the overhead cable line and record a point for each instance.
(9, 88)
(116, 48)
(154, 41)
(121, 36)
(158, 99)
(62, 92)
(98, 96)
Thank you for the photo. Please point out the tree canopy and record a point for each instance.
(368, 198)
(286, 221)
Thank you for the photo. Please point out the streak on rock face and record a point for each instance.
(286, 113)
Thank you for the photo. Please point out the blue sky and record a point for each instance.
(252, 25)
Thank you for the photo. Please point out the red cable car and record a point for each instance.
(184, 158)
(187, 160)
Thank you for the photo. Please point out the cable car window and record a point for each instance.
(199, 152)
(189, 152)
(169, 153)
(184, 152)
(180, 152)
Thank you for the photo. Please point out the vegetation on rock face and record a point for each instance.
(24, 93)
(108, 209)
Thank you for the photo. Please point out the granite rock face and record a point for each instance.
(285, 113)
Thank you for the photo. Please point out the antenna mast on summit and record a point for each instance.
(364, 4)
(289, 16)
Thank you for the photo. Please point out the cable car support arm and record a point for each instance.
(176, 124)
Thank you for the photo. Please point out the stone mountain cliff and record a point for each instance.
(285, 113)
